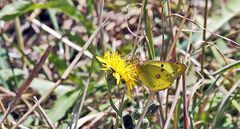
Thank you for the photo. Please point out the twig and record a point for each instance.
(59, 36)
(44, 114)
(171, 50)
(36, 104)
(98, 118)
(20, 126)
(161, 112)
(204, 36)
(185, 107)
(151, 96)
(26, 83)
(198, 84)
(100, 20)
(4, 110)
(215, 34)
(172, 35)
(172, 108)
(80, 104)
(162, 31)
(136, 40)
(8, 92)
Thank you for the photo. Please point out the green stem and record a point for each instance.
(119, 112)
(113, 106)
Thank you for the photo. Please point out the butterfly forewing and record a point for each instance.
(154, 77)
(175, 69)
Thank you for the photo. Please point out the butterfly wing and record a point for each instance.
(175, 69)
(154, 77)
(180, 69)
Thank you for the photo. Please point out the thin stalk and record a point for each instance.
(171, 26)
(112, 104)
(162, 31)
(161, 109)
(82, 101)
(19, 34)
(80, 104)
(121, 105)
(172, 107)
(203, 50)
(173, 45)
(170, 20)
(233, 43)
(25, 85)
(204, 35)
(166, 107)
(44, 114)
(185, 109)
(151, 96)
(175, 119)
(119, 112)
(116, 124)
(136, 40)
(147, 17)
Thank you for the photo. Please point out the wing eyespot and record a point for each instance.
(161, 65)
(158, 76)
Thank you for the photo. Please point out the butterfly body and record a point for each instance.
(159, 75)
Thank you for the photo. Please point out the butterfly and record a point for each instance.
(159, 75)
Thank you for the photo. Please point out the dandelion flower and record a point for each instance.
(120, 68)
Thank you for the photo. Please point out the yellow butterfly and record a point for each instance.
(159, 75)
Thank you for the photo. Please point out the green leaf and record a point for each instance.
(62, 105)
(235, 64)
(3, 58)
(15, 9)
(42, 86)
(18, 8)
(59, 63)
(8, 76)
(148, 29)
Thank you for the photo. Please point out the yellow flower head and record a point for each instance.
(120, 68)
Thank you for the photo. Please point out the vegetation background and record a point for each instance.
(52, 44)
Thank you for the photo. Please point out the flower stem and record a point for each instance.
(151, 96)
